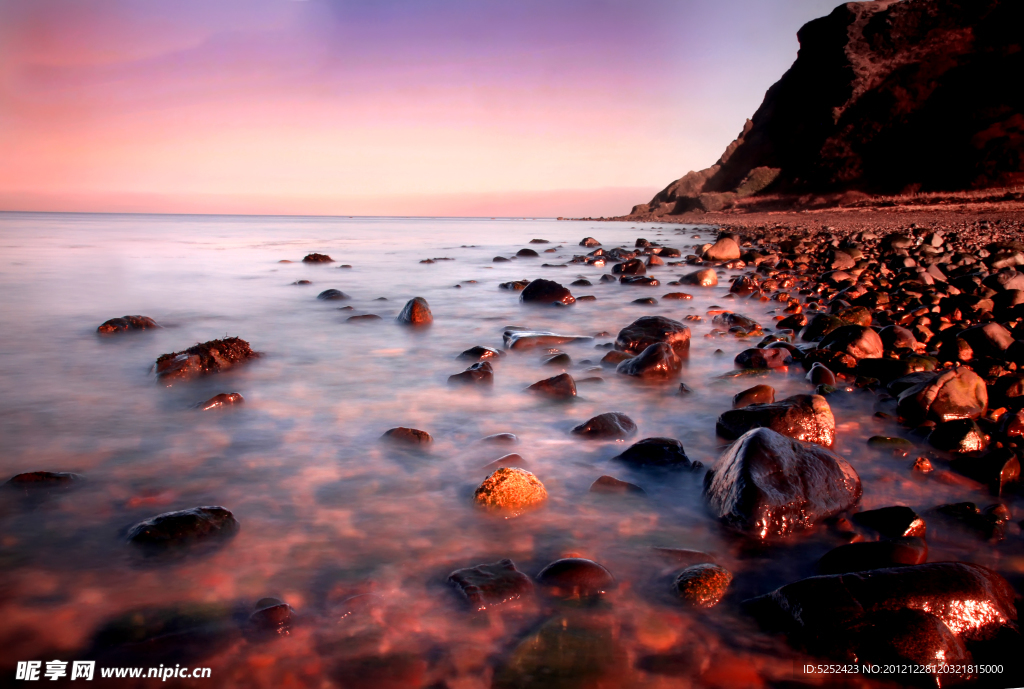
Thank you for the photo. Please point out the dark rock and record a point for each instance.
(480, 373)
(607, 426)
(958, 436)
(645, 301)
(736, 320)
(607, 278)
(856, 557)
(769, 485)
(43, 479)
(561, 360)
(820, 325)
(677, 295)
(614, 358)
(896, 337)
(589, 241)
(759, 394)
(886, 442)
(633, 266)
(657, 361)
(763, 358)
(363, 317)
(302, 282)
(415, 312)
(332, 295)
(638, 281)
(821, 375)
(989, 339)
(501, 439)
(648, 330)
(184, 527)
(803, 417)
(892, 522)
(958, 393)
(490, 585)
(576, 577)
(126, 323)
(407, 436)
(271, 617)
(527, 253)
(209, 357)
(515, 285)
(480, 353)
(655, 452)
(967, 516)
(999, 469)
(317, 258)
(542, 291)
(224, 399)
(858, 341)
(703, 585)
(610, 484)
(582, 282)
(524, 339)
(561, 386)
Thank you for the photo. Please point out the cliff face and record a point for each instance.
(885, 97)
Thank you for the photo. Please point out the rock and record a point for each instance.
(886, 442)
(589, 242)
(490, 585)
(614, 358)
(576, 577)
(561, 386)
(302, 282)
(501, 259)
(803, 417)
(633, 266)
(43, 479)
(763, 358)
(317, 258)
(524, 339)
(737, 321)
(407, 436)
(209, 357)
(638, 281)
(892, 522)
(657, 361)
(527, 253)
(759, 394)
(126, 323)
(701, 278)
(655, 453)
(821, 375)
(607, 278)
(332, 295)
(480, 373)
(648, 330)
(607, 426)
(510, 460)
(858, 341)
(645, 301)
(479, 353)
(224, 399)
(966, 515)
(769, 485)
(703, 585)
(510, 489)
(896, 337)
(582, 282)
(725, 249)
(610, 484)
(958, 436)
(501, 439)
(543, 291)
(515, 285)
(363, 317)
(989, 339)
(184, 527)
(271, 617)
(677, 295)
(821, 325)
(415, 312)
(561, 360)
(999, 469)
(856, 557)
(958, 393)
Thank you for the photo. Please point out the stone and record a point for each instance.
(706, 277)
(560, 360)
(655, 453)
(802, 417)
(363, 317)
(184, 527)
(821, 375)
(858, 341)
(512, 459)
(576, 577)
(479, 353)
(527, 253)
(648, 330)
(332, 295)
(703, 585)
(32, 480)
(633, 266)
(725, 249)
(270, 617)
(967, 517)
(768, 485)
(998, 469)
(897, 337)
(491, 585)
(958, 393)
(407, 436)
(317, 258)
(510, 489)
(480, 373)
(214, 356)
(525, 339)
(856, 557)
(645, 301)
(897, 521)
(607, 426)
(614, 358)
(639, 281)
(988, 339)
(958, 436)
(224, 399)
(763, 358)
(589, 241)
(657, 361)
(501, 439)
(543, 291)
(415, 312)
(610, 484)
(582, 282)
(736, 320)
(819, 326)
(302, 282)
(125, 324)
(561, 386)
(759, 394)
(677, 295)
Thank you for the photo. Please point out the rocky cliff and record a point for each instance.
(884, 97)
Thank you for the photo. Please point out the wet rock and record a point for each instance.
(515, 285)
(638, 281)
(363, 317)
(43, 480)
(407, 436)
(654, 260)
(184, 527)
(607, 426)
(922, 465)
(576, 577)
(958, 393)
(645, 301)
(896, 337)
(610, 484)
(856, 557)
(479, 353)
(415, 312)
(501, 439)
(302, 282)
(543, 291)
(510, 460)
(317, 258)
(677, 295)
(703, 585)
(582, 282)
(633, 266)
(524, 339)
(224, 399)
(989, 339)
(887, 442)
(490, 585)
(648, 330)
(561, 360)
(759, 394)
(271, 617)
(332, 295)
(501, 259)
(209, 357)
(858, 341)
(561, 386)
(725, 249)
(769, 485)
(821, 375)
(803, 417)
(763, 358)
(614, 358)
(589, 242)
(527, 253)
(819, 326)
(999, 469)
(126, 323)
(985, 525)
(657, 361)
(607, 278)
(958, 436)
(655, 453)
(510, 489)
(897, 521)
(480, 373)
(701, 278)
(738, 321)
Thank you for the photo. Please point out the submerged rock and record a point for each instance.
(759, 394)
(607, 426)
(510, 489)
(576, 577)
(317, 258)
(561, 386)
(703, 585)
(209, 357)
(184, 527)
(224, 399)
(126, 323)
(43, 479)
(524, 339)
(897, 521)
(407, 436)
(655, 452)
(543, 291)
(490, 585)
(657, 361)
(610, 484)
(648, 330)
(803, 417)
(416, 312)
(332, 295)
(769, 485)
(480, 373)
(271, 617)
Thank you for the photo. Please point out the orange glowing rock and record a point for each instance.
(510, 488)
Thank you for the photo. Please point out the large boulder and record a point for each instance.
(769, 485)
(648, 330)
(543, 291)
(860, 342)
(803, 417)
(208, 357)
(958, 393)
(725, 249)
(657, 361)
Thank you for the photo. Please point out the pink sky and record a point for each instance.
(383, 107)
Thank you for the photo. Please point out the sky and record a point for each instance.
(532, 108)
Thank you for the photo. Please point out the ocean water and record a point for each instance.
(358, 536)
